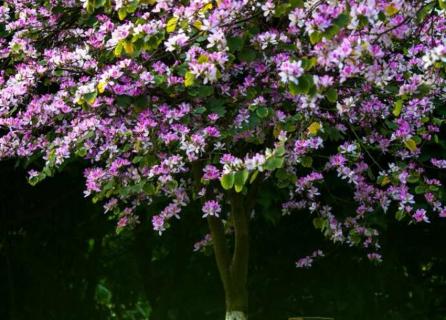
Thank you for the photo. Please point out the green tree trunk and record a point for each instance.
(233, 267)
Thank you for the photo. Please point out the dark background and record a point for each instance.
(60, 258)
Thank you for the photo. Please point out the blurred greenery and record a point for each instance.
(60, 258)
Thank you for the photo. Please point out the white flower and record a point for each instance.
(217, 39)
(291, 71)
(268, 8)
(176, 41)
(345, 106)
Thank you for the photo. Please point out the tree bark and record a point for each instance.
(233, 267)
(235, 315)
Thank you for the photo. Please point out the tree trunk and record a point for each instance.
(233, 267)
(235, 315)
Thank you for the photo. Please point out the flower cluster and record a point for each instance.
(172, 102)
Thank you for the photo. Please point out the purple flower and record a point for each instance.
(420, 216)
(305, 262)
(374, 257)
(212, 132)
(439, 163)
(211, 208)
(123, 222)
(211, 172)
(158, 223)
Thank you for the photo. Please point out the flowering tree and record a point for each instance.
(181, 102)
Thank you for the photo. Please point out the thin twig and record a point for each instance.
(365, 148)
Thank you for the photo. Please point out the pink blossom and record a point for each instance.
(158, 223)
(211, 208)
(211, 172)
(420, 216)
(290, 71)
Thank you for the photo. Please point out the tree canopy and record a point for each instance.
(179, 103)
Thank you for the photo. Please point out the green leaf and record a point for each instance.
(297, 4)
(331, 32)
(159, 79)
(201, 91)
(424, 89)
(122, 13)
(318, 223)
(363, 21)
(355, 238)
(100, 3)
(132, 6)
(81, 152)
(118, 49)
(235, 44)
(171, 24)
(216, 106)
(312, 91)
(262, 112)
(383, 180)
(254, 176)
(227, 181)
(203, 59)
(189, 79)
(240, 179)
(422, 14)
(282, 9)
(280, 151)
(172, 184)
(433, 188)
(141, 102)
(101, 86)
(304, 84)
(247, 55)
(281, 174)
(129, 48)
(154, 41)
(342, 20)
(306, 162)
(315, 37)
(137, 159)
(417, 139)
(314, 128)
(411, 145)
(90, 98)
(149, 188)
(332, 95)
(292, 88)
(102, 294)
(391, 10)
(274, 163)
(199, 110)
(332, 133)
(308, 64)
(90, 5)
(123, 101)
(420, 189)
(397, 107)
(399, 215)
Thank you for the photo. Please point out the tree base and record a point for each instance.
(236, 315)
